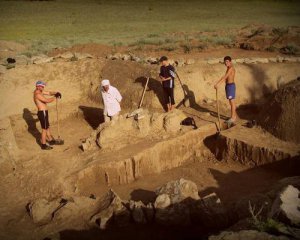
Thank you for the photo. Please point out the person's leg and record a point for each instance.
(44, 136)
(49, 136)
(172, 100)
(167, 98)
(233, 109)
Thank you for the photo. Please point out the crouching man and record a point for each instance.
(111, 100)
(41, 103)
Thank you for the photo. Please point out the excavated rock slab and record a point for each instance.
(141, 159)
(253, 146)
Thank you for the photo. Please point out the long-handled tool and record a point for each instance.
(58, 141)
(186, 100)
(218, 111)
(144, 91)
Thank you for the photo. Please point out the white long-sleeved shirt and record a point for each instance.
(111, 101)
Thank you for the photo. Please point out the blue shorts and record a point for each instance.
(230, 90)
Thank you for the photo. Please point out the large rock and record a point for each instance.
(112, 209)
(286, 206)
(40, 59)
(42, 210)
(209, 212)
(179, 190)
(246, 235)
(137, 211)
(22, 60)
(173, 119)
(80, 56)
(172, 202)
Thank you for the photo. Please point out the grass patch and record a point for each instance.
(105, 21)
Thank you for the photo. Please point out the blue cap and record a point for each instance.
(40, 84)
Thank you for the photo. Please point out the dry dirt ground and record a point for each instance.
(68, 171)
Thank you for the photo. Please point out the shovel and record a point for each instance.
(58, 141)
(218, 111)
(186, 100)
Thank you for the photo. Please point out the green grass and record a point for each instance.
(66, 22)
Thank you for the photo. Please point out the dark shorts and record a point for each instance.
(169, 95)
(44, 119)
(230, 90)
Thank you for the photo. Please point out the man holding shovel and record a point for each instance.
(167, 76)
(229, 88)
(41, 102)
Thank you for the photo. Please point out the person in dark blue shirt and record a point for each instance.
(167, 76)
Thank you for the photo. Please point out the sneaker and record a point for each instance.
(46, 147)
(52, 142)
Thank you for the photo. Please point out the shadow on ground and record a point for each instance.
(93, 116)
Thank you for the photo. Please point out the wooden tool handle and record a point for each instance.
(218, 110)
(144, 91)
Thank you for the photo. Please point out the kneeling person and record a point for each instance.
(111, 100)
(41, 102)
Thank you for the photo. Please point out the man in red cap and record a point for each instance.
(41, 102)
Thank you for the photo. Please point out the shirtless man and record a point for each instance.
(229, 87)
(41, 102)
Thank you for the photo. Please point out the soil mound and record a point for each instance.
(281, 114)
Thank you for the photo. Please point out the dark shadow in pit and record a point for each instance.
(31, 124)
(259, 179)
(248, 111)
(143, 195)
(93, 116)
(155, 86)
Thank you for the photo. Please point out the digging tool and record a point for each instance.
(144, 91)
(58, 141)
(218, 111)
(186, 99)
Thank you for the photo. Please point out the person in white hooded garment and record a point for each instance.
(111, 100)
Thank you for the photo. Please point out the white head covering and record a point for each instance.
(105, 82)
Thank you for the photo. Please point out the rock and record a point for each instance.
(287, 206)
(149, 212)
(116, 56)
(126, 57)
(280, 59)
(136, 59)
(261, 60)
(246, 235)
(178, 191)
(80, 56)
(273, 60)
(152, 60)
(172, 120)
(22, 60)
(209, 212)
(41, 59)
(190, 61)
(240, 60)
(162, 201)
(213, 61)
(180, 62)
(137, 211)
(41, 211)
(250, 61)
(176, 214)
(208, 100)
(290, 59)
(67, 55)
(112, 208)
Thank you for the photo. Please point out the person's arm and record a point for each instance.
(104, 104)
(51, 93)
(223, 78)
(43, 99)
(118, 95)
